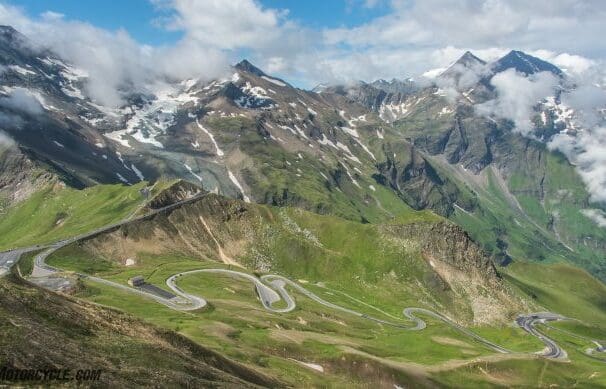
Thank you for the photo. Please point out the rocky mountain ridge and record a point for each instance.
(362, 152)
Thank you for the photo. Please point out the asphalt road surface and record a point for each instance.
(528, 322)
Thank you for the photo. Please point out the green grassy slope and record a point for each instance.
(375, 269)
(56, 212)
(562, 288)
(236, 325)
(42, 330)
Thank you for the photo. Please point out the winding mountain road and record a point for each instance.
(527, 322)
(271, 289)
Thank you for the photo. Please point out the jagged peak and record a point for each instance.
(468, 61)
(10, 34)
(469, 57)
(246, 66)
(6, 29)
(524, 63)
(321, 87)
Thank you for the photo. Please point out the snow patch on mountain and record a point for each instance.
(366, 149)
(348, 153)
(353, 180)
(212, 138)
(235, 181)
(350, 131)
(155, 115)
(21, 70)
(121, 178)
(192, 172)
(137, 172)
(392, 111)
(273, 81)
(253, 97)
(596, 215)
(327, 142)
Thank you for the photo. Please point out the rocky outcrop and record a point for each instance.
(475, 291)
(178, 191)
(415, 179)
(19, 176)
(448, 243)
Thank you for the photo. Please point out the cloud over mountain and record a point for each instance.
(516, 97)
(113, 59)
(412, 37)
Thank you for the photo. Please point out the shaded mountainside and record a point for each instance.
(42, 330)
(19, 176)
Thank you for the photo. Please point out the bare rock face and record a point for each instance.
(451, 244)
(19, 175)
(178, 191)
(417, 181)
(465, 270)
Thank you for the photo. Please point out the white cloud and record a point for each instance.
(586, 100)
(113, 59)
(225, 24)
(572, 63)
(596, 215)
(516, 97)
(17, 103)
(483, 23)
(21, 100)
(5, 140)
(10, 121)
(244, 28)
(427, 34)
(587, 150)
(413, 37)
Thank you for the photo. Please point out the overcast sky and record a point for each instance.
(315, 41)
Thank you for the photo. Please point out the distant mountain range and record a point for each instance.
(358, 151)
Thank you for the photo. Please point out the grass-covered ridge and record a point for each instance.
(56, 212)
(563, 289)
(394, 261)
